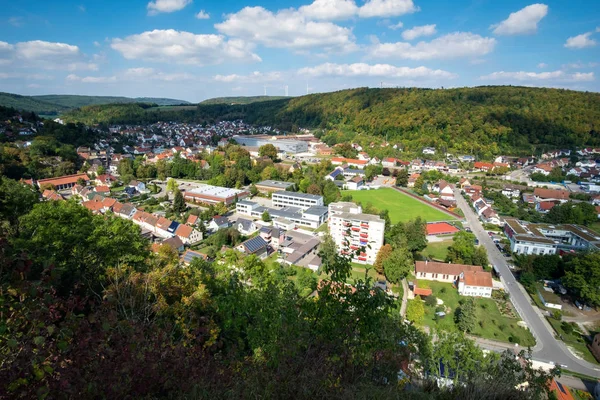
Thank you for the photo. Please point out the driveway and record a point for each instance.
(547, 348)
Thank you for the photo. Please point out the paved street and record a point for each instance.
(547, 348)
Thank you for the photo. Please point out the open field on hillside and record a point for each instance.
(402, 208)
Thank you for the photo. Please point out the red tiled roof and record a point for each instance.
(64, 180)
(546, 205)
(108, 202)
(478, 278)
(93, 205)
(551, 194)
(102, 189)
(562, 392)
(422, 292)
(433, 267)
(184, 231)
(439, 228)
(192, 219)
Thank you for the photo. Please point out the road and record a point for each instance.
(547, 348)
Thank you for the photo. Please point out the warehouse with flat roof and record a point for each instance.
(215, 194)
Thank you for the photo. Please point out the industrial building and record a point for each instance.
(270, 185)
(292, 146)
(215, 194)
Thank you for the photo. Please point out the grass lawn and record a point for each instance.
(322, 228)
(401, 207)
(574, 340)
(358, 272)
(491, 324)
(117, 189)
(437, 250)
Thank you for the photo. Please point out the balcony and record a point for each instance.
(363, 225)
(355, 229)
(364, 235)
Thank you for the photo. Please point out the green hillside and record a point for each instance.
(27, 103)
(54, 104)
(241, 99)
(484, 120)
(75, 101)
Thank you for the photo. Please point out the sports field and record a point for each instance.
(402, 208)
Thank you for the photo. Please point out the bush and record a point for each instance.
(567, 328)
(431, 301)
(557, 315)
(440, 308)
(443, 290)
(484, 306)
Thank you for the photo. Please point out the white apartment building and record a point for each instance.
(283, 198)
(352, 231)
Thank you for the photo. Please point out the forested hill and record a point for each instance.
(482, 120)
(241, 99)
(55, 104)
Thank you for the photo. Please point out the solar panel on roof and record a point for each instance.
(190, 255)
(255, 244)
(560, 386)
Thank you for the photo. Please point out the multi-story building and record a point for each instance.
(530, 238)
(312, 217)
(355, 233)
(304, 201)
(270, 185)
(215, 194)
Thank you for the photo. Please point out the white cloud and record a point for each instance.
(387, 8)
(81, 8)
(376, 70)
(16, 21)
(141, 74)
(183, 48)
(580, 41)
(45, 55)
(202, 15)
(19, 75)
(91, 79)
(166, 6)
(523, 76)
(397, 26)
(522, 22)
(254, 77)
(286, 29)
(579, 65)
(418, 31)
(542, 65)
(38, 49)
(453, 45)
(329, 9)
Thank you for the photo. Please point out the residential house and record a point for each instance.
(560, 391)
(483, 166)
(472, 190)
(192, 220)
(218, 222)
(102, 189)
(412, 179)
(464, 182)
(544, 206)
(429, 150)
(444, 189)
(389, 162)
(257, 246)
(139, 186)
(355, 183)
(174, 242)
(245, 226)
(511, 191)
(51, 195)
(475, 284)
(442, 272)
(188, 235)
(551, 195)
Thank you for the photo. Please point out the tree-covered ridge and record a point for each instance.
(54, 104)
(483, 120)
(241, 99)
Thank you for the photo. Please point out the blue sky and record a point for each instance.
(193, 49)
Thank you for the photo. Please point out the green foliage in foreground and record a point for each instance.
(91, 314)
(481, 120)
